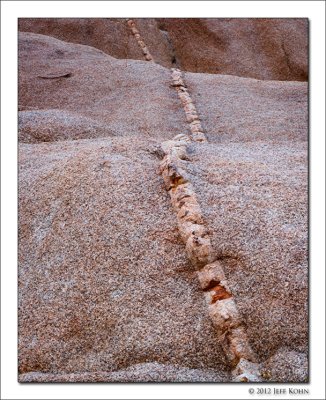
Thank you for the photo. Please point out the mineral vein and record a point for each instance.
(139, 39)
(222, 308)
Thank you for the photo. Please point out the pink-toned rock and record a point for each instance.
(247, 371)
(191, 214)
(261, 48)
(199, 250)
(192, 117)
(110, 35)
(99, 88)
(106, 289)
(187, 229)
(142, 44)
(224, 314)
(135, 31)
(211, 273)
(148, 57)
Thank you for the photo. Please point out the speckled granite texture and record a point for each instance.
(261, 48)
(106, 291)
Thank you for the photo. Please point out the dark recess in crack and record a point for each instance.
(68, 75)
(287, 61)
(211, 285)
(165, 33)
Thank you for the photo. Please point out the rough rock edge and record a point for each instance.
(222, 308)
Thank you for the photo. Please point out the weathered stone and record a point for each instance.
(177, 82)
(199, 137)
(224, 315)
(188, 203)
(239, 344)
(187, 229)
(191, 214)
(135, 31)
(189, 107)
(247, 371)
(215, 45)
(94, 211)
(192, 117)
(199, 250)
(142, 44)
(130, 23)
(211, 272)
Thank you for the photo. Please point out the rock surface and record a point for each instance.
(146, 372)
(272, 49)
(125, 97)
(254, 199)
(104, 280)
(106, 291)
